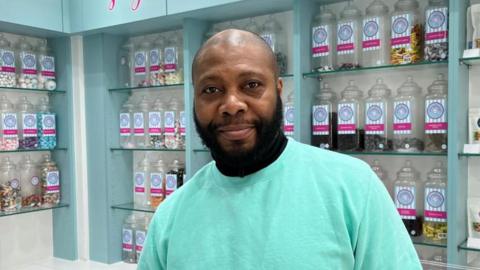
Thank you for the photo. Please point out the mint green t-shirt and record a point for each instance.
(310, 209)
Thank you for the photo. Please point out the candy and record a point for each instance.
(351, 142)
(327, 141)
(436, 52)
(50, 85)
(27, 81)
(377, 143)
(7, 79)
(28, 143)
(50, 184)
(436, 142)
(8, 196)
(410, 54)
(8, 144)
(47, 138)
(408, 144)
(435, 231)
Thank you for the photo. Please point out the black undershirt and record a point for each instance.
(271, 154)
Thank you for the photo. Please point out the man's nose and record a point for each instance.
(233, 104)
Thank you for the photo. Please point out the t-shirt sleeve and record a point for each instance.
(383, 241)
(150, 258)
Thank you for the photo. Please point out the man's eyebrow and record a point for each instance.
(252, 74)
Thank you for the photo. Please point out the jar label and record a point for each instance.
(53, 182)
(127, 240)
(183, 123)
(371, 34)
(436, 116)
(35, 181)
(346, 38)
(7, 61)
(169, 123)
(140, 62)
(138, 124)
(402, 122)
(139, 179)
(436, 28)
(435, 204)
(49, 128)
(288, 125)
(9, 125)
(401, 31)
(170, 59)
(405, 202)
(347, 118)
(29, 63)
(47, 67)
(320, 120)
(14, 183)
(29, 121)
(139, 240)
(154, 60)
(269, 39)
(125, 124)
(375, 118)
(155, 123)
(320, 46)
(170, 184)
(156, 184)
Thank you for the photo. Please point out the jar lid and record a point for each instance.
(144, 162)
(159, 164)
(378, 169)
(158, 104)
(407, 172)
(42, 46)
(271, 25)
(377, 7)
(24, 45)
(43, 105)
(143, 104)
(47, 160)
(173, 104)
(128, 45)
(176, 164)
(326, 15)
(160, 42)
(4, 43)
(437, 3)
(438, 172)
(379, 89)
(440, 85)
(326, 93)
(409, 87)
(350, 12)
(5, 104)
(405, 5)
(24, 105)
(351, 91)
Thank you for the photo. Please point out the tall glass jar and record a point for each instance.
(436, 126)
(27, 61)
(273, 33)
(10, 188)
(141, 64)
(46, 125)
(324, 119)
(378, 109)
(289, 117)
(50, 179)
(350, 119)
(27, 125)
(376, 35)
(155, 124)
(157, 74)
(31, 191)
(173, 138)
(381, 173)
(7, 63)
(174, 177)
(9, 126)
(406, 41)
(407, 198)
(157, 183)
(126, 125)
(436, 30)
(435, 225)
(323, 40)
(46, 65)
(183, 125)
(125, 54)
(141, 183)
(140, 124)
(407, 117)
(128, 240)
(141, 227)
(173, 59)
(349, 37)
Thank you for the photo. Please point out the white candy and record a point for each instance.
(23, 85)
(50, 85)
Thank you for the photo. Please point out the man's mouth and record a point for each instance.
(236, 132)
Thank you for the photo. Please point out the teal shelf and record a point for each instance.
(155, 88)
(131, 207)
(463, 246)
(470, 61)
(420, 240)
(146, 149)
(469, 155)
(24, 90)
(34, 150)
(31, 209)
(286, 76)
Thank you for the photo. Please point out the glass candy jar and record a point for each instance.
(289, 117)
(31, 191)
(407, 198)
(10, 188)
(407, 118)
(350, 126)
(173, 59)
(376, 35)
(141, 64)
(46, 64)
(157, 74)
(381, 173)
(436, 126)
(46, 125)
(141, 183)
(436, 31)
(7, 63)
(9, 126)
(157, 183)
(140, 123)
(324, 119)
(349, 37)
(172, 132)
(155, 124)
(174, 177)
(273, 33)
(27, 125)
(406, 38)
(125, 64)
(126, 125)
(378, 109)
(50, 179)
(128, 240)
(435, 224)
(323, 40)
(252, 26)
(27, 61)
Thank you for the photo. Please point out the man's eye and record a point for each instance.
(211, 90)
(252, 85)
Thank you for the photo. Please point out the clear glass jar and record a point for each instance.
(157, 74)
(46, 65)
(141, 228)
(273, 33)
(126, 125)
(407, 117)
(27, 61)
(31, 191)
(323, 40)
(155, 124)
(381, 173)
(125, 56)
(7, 63)
(141, 183)
(27, 125)
(324, 119)
(174, 177)
(50, 179)
(349, 37)
(157, 183)
(376, 35)
(436, 125)
(289, 116)
(378, 108)
(252, 26)
(140, 124)
(435, 225)
(407, 198)
(9, 126)
(350, 119)
(406, 41)
(46, 125)
(10, 187)
(128, 240)
(141, 64)
(173, 138)
(436, 31)
(183, 125)
(173, 59)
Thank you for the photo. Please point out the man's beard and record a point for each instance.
(267, 131)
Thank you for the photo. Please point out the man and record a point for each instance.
(266, 202)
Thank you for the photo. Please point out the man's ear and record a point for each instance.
(279, 86)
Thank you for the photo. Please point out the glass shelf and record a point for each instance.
(130, 207)
(201, 150)
(146, 149)
(463, 246)
(362, 153)
(34, 150)
(126, 89)
(320, 73)
(16, 89)
(420, 240)
(31, 209)
(470, 61)
(469, 154)
(286, 75)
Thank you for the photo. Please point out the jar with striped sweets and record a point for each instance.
(436, 126)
